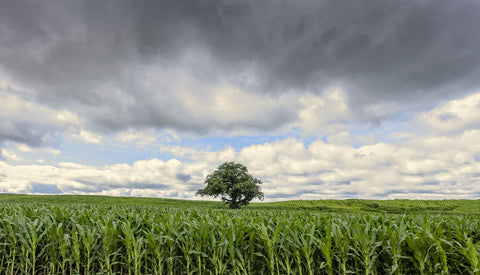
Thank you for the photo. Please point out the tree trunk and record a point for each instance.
(234, 204)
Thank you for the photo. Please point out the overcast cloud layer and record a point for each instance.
(320, 99)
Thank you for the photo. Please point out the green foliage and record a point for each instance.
(232, 182)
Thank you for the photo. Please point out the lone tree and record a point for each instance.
(233, 183)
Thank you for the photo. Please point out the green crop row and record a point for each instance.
(86, 239)
(348, 205)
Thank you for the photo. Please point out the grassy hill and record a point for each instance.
(389, 206)
(349, 205)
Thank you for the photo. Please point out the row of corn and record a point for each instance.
(86, 239)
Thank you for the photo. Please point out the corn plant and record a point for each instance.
(365, 245)
(471, 253)
(133, 245)
(395, 235)
(269, 234)
(342, 240)
(30, 235)
(323, 240)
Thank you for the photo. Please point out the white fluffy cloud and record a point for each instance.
(227, 105)
(443, 163)
(145, 177)
(26, 122)
(7, 155)
(140, 138)
(455, 115)
(323, 113)
(289, 168)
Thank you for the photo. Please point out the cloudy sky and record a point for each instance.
(328, 99)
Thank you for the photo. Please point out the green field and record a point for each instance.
(349, 205)
(110, 235)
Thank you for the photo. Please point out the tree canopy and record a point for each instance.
(233, 183)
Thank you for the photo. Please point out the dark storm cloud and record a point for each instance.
(31, 133)
(92, 56)
(414, 45)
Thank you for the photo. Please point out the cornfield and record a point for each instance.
(92, 239)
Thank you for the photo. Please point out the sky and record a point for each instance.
(328, 99)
